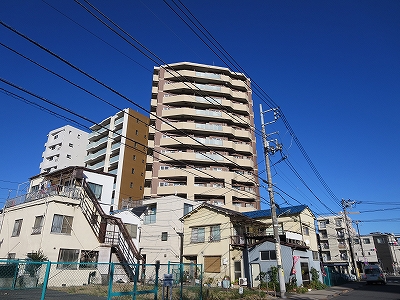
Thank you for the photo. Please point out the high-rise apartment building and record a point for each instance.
(65, 146)
(118, 145)
(201, 140)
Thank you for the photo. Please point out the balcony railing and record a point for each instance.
(55, 190)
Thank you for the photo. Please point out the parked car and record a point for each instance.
(374, 274)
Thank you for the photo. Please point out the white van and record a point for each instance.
(374, 273)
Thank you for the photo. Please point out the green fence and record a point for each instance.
(35, 280)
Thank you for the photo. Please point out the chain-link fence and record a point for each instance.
(104, 280)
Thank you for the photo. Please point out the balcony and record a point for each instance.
(99, 165)
(119, 121)
(114, 159)
(93, 156)
(55, 190)
(97, 145)
(208, 128)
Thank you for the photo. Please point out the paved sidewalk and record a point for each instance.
(327, 293)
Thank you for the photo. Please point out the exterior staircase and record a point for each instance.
(110, 230)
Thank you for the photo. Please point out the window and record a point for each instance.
(187, 208)
(132, 230)
(71, 145)
(212, 264)
(366, 241)
(140, 188)
(96, 189)
(215, 233)
(356, 241)
(89, 259)
(338, 222)
(37, 226)
(17, 227)
(69, 156)
(198, 235)
(134, 157)
(164, 236)
(150, 216)
(62, 224)
(66, 257)
(380, 240)
(142, 161)
(268, 255)
(315, 255)
(131, 185)
(137, 132)
(10, 256)
(56, 136)
(322, 224)
(306, 230)
(133, 170)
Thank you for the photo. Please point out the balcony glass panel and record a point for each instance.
(208, 87)
(209, 113)
(208, 75)
(214, 127)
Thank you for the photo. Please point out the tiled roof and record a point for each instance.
(282, 211)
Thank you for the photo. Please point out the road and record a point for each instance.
(390, 291)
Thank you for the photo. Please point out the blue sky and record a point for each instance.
(333, 67)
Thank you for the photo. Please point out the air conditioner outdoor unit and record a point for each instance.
(243, 281)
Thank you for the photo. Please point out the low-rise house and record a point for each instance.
(61, 217)
(296, 225)
(218, 237)
(297, 262)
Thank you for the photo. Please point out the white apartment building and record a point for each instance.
(201, 140)
(65, 146)
(118, 145)
(335, 249)
(161, 228)
(364, 251)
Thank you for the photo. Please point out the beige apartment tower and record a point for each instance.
(118, 145)
(201, 140)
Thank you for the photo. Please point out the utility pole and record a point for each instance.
(267, 151)
(359, 237)
(361, 244)
(346, 204)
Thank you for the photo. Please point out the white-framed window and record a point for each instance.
(68, 259)
(164, 236)
(62, 224)
(96, 189)
(306, 230)
(37, 226)
(17, 227)
(215, 233)
(366, 241)
(198, 235)
(132, 230)
(150, 216)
